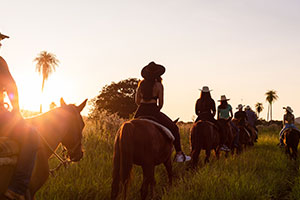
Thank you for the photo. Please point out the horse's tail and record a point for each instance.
(126, 152)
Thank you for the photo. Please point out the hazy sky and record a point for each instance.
(238, 48)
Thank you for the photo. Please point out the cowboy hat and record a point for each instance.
(3, 36)
(288, 108)
(223, 98)
(240, 106)
(152, 71)
(205, 89)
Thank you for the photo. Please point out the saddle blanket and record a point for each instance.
(164, 129)
(9, 151)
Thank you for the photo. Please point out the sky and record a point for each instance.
(238, 48)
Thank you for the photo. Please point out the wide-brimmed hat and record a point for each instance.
(152, 71)
(288, 108)
(2, 37)
(223, 98)
(205, 89)
(240, 106)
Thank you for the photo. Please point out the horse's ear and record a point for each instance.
(82, 105)
(62, 102)
(176, 120)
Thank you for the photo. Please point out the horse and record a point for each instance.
(141, 143)
(61, 125)
(229, 132)
(291, 141)
(245, 137)
(204, 135)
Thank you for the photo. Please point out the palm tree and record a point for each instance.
(46, 64)
(271, 97)
(259, 107)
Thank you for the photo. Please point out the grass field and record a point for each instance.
(260, 172)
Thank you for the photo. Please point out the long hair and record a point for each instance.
(223, 105)
(146, 86)
(204, 96)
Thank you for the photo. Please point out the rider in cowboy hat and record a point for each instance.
(288, 122)
(224, 114)
(206, 110)
(149, 98)
(13, 126)
(252, 118)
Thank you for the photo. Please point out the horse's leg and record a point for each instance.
(148, 178)
(168, 166)
(217, 151)
(207, 152)
(195, 157)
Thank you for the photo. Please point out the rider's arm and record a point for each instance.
(9, 85)
(138, 96)
(284, 120)
(231, 113)
(218, 115)
(197, 107)
(160, 95)
(213, 108)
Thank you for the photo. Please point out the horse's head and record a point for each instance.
(74, 127)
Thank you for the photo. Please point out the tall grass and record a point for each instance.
(261, 172)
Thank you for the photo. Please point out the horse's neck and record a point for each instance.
(51, 133)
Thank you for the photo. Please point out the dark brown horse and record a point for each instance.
(291, 141)
(204, 135)
(229, 132)
(61, 125)
(142, 143)
(245, 137)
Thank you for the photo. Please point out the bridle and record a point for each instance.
(65, 160)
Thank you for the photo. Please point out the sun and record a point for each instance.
(31, 96)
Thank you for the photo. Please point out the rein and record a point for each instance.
(63, 162)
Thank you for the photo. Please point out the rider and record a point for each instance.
(13, 126)
(206, 110)
(225, 113)
(149, 98)
(252, 118)
(288, 122)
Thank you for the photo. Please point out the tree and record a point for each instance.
(271, 97)
(259, 107)
(46, 64)
(117, 98)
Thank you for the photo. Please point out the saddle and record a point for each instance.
(9, 151)
(163, 129)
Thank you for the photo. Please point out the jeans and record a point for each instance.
(28, 140)
(286, 126)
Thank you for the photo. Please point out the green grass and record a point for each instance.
(260, 172)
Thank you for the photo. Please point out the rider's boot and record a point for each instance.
(181, 157)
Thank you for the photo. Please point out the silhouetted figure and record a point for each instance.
(224, 115)
(288, 122)
(149, 98)
(252, 119)
(206, 110)
(12, 125)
